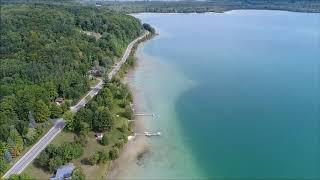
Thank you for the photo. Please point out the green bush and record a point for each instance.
(98, 157)
(20, 177)
(114, 153)
(54, 163)
(123, 128)
(128, 113)
(105, 140)
(103, 156)
(119, 144)
(78, 174)
(93, 159)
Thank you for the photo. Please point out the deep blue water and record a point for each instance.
(254, 111)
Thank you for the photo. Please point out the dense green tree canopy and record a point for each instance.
(41, 111)
(46, 51)
(103, 120)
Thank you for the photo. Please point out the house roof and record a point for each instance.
(59, 99)
(64, 171)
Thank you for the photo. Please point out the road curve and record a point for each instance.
(36, 149)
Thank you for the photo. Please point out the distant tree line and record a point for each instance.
(185, 6)
(211, 6)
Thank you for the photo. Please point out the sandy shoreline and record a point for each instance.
(139, 145)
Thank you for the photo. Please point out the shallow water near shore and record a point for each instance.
(236, 95)
(147, 81)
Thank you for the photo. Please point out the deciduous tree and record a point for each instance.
(103, 120)
(41, 111)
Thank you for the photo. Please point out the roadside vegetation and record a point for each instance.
(45, 55)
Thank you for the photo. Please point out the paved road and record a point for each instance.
(125, 56)
(94, 91)
(25, 160)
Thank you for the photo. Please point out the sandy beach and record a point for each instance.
(136, 147)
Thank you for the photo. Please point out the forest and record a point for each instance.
(46, 54)
(312, 6)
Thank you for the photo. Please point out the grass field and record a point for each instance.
(93, 82)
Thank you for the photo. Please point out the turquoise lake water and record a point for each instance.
(237, 95)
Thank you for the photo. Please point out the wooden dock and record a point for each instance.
(148, 134)
(144, 114)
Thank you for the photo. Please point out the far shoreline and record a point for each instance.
(224, 12)
(170, 6)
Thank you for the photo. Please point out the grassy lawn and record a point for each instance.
(63, 137)
(37, 173)
(92, 146)
(93, 82)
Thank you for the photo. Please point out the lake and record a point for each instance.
(236, 95)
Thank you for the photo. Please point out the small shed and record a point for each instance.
(64, 172)
(99, 136)
(93, 72)
(59, 100)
